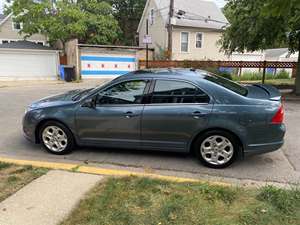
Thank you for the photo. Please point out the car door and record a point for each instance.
(176, 111)
(116, 119)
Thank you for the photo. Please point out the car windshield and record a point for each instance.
(81, 94)
(228, 84)
(85, 92)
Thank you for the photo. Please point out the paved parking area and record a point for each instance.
(280, 166)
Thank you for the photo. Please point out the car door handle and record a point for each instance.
(130, 114)
(198, 114)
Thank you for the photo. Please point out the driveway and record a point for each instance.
(280, 166)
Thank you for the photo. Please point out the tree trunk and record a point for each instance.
(297, 82)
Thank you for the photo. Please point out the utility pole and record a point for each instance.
(147, 45)
(170, 37)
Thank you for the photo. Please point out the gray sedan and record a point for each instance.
(177, 110)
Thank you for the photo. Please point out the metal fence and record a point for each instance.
(263, 65)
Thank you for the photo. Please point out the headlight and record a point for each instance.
(29, 108)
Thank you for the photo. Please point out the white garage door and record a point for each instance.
(100, 65)
(28, 64)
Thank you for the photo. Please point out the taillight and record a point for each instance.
(279, 116)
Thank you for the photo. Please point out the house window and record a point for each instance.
(184, 41)
(152, 16)
(17, 26)
(199, 40)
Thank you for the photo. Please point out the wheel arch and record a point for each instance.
(42, 122)
(240, 143)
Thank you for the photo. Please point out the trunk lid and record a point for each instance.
(263, 91)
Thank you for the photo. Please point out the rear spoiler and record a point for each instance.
(273, 92)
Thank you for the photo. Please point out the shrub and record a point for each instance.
(282, 74)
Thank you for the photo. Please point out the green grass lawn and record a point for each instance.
(138, 201)
(273, 82)
(13, 178)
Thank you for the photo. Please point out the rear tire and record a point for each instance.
(216, 149)
(56, 138)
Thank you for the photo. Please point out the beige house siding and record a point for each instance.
(210, 50)
(157, 30)
(8, 33)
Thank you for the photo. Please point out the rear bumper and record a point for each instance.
(263, 148)
(274, 140)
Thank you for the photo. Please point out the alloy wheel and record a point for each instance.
(55, 139)
(217, 150)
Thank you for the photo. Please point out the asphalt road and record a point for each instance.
(280, 166)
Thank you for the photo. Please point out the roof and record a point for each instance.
(24, 45)
(198, 13)
(275, 52)
(3, 18)
(113, 47)
(169, 72)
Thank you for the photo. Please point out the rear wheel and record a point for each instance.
(56, 138)
(217, 149)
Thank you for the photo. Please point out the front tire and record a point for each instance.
(216, 149)
(56, 138)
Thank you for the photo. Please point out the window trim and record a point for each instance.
(188, 47)
(202, 40)
(153, 84)
(13, 26)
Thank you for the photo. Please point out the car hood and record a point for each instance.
(56, 100)
(263, 91)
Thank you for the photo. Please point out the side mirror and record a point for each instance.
(90, 103)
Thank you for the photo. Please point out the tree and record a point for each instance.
(90, 21)
(128, 13)
(258, 25)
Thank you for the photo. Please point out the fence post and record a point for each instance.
(264, 72)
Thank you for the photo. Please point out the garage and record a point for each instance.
(24, 60)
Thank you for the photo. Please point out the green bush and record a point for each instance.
(282, 74)
(216, 71)
(258, 76)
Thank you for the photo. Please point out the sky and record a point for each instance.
(220, 3)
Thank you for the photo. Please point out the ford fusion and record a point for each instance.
(177, 110)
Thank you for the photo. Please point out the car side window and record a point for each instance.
(167, 91)
(129, 92)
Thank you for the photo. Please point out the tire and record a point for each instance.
(217, 149)
(56, 138)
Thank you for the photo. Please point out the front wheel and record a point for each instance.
(217, 149)
(56, 138)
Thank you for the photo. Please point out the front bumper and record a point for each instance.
(29, 126)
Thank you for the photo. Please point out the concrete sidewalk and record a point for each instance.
(47, 200)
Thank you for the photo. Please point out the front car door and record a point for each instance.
(116, 119)
(176, 111)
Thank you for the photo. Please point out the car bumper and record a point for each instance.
(276, 143)
(263, 148)
(29, 128)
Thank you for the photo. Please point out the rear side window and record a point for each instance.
(239, 89)
(166, 91)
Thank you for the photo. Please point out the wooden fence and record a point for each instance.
(226, 64)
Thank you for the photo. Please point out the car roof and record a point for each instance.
(187, 74)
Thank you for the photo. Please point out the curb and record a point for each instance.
(107, 172)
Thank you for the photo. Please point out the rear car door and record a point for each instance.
(116, 119)
(174, 113)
